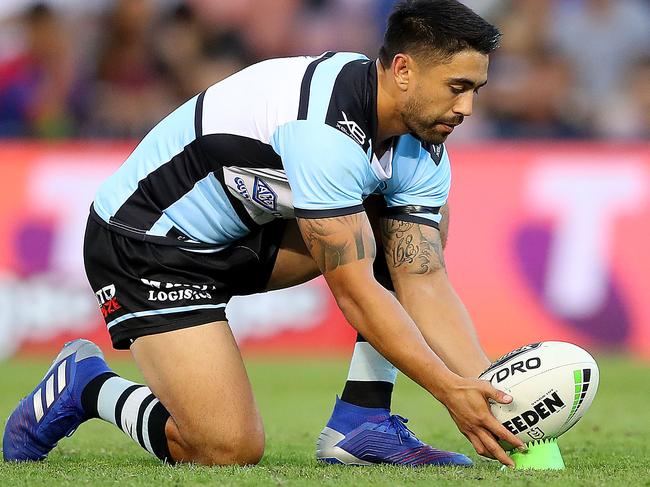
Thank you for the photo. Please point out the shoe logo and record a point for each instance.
(352, 129)
(107, 300)
(50, 393)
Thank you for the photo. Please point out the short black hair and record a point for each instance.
(438, 28)
(38, 12)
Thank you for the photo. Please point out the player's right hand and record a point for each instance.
(467, 403)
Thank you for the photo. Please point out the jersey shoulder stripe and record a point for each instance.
(305, 86)
(352, 107)
(198, 115)
(322, 81)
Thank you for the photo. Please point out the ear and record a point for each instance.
(401, 69)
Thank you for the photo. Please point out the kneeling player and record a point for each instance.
(204, 209)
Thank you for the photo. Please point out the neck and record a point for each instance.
(389, 120)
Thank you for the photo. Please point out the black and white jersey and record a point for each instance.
(282, 138)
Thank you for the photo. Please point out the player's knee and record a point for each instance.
(239, 446)
(236, 449)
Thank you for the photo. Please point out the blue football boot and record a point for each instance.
(366, 436)
(53, 410)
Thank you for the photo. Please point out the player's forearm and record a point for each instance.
(443, 320)
(379, 317)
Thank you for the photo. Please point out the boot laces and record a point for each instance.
(396, 422)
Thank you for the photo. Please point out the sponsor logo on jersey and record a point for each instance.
(241, 187)
(169, 291)
(435, 150)
(542, 409)
(107, 300)
(178, 295)
(264, 195)
(520, 366)
(352, 129)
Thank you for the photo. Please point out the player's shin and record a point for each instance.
(132, 408)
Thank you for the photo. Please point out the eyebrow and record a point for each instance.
(467, 82)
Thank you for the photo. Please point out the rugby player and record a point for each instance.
(259, 183)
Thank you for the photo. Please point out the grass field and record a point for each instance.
(610, 446)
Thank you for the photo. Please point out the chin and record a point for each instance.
(427, 133)
(434, 138)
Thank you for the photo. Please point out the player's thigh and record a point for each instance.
(199, 376)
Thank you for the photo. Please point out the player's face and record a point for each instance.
(439, 97)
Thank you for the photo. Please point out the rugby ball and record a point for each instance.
(552, 385)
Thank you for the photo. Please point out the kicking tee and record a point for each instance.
(282, 138)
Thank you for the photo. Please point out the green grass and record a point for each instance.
(608, 447)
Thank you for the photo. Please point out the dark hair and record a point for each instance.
(439, 28)
(38, 12)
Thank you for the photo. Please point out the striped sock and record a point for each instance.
(132, 408)
(370, 379)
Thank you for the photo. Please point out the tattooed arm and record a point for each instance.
(344, 249)
(414, 254)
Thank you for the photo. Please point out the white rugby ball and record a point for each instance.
(552, 385)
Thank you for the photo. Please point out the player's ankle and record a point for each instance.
(369, 394)
(90, 394)
(347, 416)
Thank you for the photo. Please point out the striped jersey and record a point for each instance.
(282, 138)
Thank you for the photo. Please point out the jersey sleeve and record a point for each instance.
(326, 170)
(420, 187)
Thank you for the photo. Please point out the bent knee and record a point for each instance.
(233, 451)
(245, 446)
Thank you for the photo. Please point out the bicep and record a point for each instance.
(411, 248)
(336, 242)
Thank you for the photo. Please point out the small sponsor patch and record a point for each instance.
(435, 150)
(107, 301)
(352, 129)
(241, 187)
(170, 291)
(264, 195)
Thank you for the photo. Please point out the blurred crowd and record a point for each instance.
(567, 69)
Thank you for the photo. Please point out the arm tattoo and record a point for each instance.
(416, 248)
(334, 242)
(444, 225)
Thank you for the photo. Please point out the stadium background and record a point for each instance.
(551, 193)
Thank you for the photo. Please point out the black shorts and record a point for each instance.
(145, 288)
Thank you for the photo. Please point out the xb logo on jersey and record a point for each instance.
(351, 128)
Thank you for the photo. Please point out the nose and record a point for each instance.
(464, 104)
